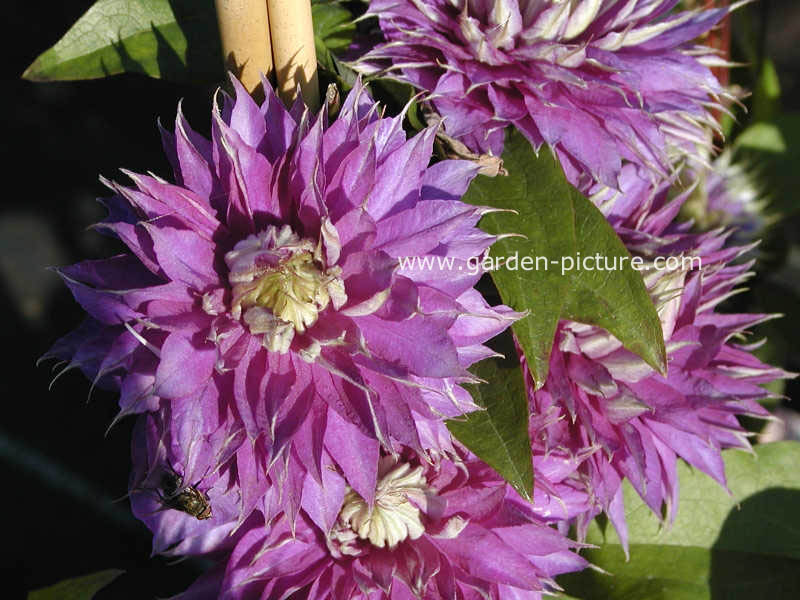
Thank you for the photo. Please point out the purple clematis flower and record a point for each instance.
(197, 486)
(603, 82)
(606, 405)
(438, 526)
(264, 286)
(728, 195)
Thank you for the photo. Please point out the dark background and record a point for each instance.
(59, 471)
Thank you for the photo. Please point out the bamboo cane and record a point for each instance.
(720, 39)
(244, 30)
(293, 51)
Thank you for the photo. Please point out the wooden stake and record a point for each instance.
(719, 38)
(293, 50)
(244, 29)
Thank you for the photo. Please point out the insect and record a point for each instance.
(185, 499)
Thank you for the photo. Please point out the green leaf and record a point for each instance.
(766, 96)
(79, 588)
(773, 147)
(559, 225)
(498, 435)
(171, 39)
(737, 547)
(764, 137)
(333, 30)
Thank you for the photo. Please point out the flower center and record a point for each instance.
(395, 516)
(280, 285)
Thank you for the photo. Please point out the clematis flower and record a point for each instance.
(438, 526)
(264, 286)
(728, 195)
(606, 404)
(603, 82)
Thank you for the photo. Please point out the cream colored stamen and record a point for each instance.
(395, 515)
(280, 285)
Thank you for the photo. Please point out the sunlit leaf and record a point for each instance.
(560, 228)
(737, 547)
(171, 39)
(499, 434)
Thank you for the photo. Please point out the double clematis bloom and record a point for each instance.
(602, 403)
(603, 82)
(437, 526)
(728, 194)
(263, 287)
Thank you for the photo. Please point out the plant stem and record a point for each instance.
(293, 50)
(244, 30)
